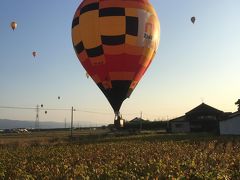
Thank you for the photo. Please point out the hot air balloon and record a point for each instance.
(34, 53)
(59, 97)
(87, 75)
(115, 41)
(193, 19)
(13, 25)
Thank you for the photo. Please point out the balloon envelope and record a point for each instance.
(34, 53)
(115, 41)
(13, 25)
(193, 19)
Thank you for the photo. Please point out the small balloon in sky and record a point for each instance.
(45, 112)
(34, 53)
(87, 75)
(13, 25)
(41, 105)
(59, 97)
(193, 19)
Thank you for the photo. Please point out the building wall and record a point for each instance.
(178, 127)
(204, 125)
(230, 126)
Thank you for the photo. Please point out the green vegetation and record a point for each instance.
(121, 156)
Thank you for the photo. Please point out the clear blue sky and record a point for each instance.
(194, 62)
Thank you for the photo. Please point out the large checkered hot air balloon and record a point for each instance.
(115, 41)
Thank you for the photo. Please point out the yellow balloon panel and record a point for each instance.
(76, 36)
(131, 40)
(132, 12)
(89, 30)
(110, 26)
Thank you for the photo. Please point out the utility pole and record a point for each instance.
(72, 122)
(140, 121)
(37, 118)
(65, 123)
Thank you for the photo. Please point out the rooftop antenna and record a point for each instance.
(202, 99)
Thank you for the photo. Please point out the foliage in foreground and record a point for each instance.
(136, 158)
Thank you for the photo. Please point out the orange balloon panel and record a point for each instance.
(115, 41)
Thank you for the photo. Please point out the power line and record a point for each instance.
(93, 112)
(11, 107)
(58, 109)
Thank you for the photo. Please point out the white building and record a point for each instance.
(231, 125)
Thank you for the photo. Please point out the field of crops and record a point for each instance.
(149, 156)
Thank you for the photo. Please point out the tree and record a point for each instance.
(238, 104)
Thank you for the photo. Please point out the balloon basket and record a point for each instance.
(119, 121)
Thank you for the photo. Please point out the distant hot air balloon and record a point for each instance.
(41, 105)
(87, 75)
(34, 53)
(59, 97)
(45, 112)
(193, 19)
(115, 41)
(13, 25)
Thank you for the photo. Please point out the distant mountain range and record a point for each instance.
(11, 124)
